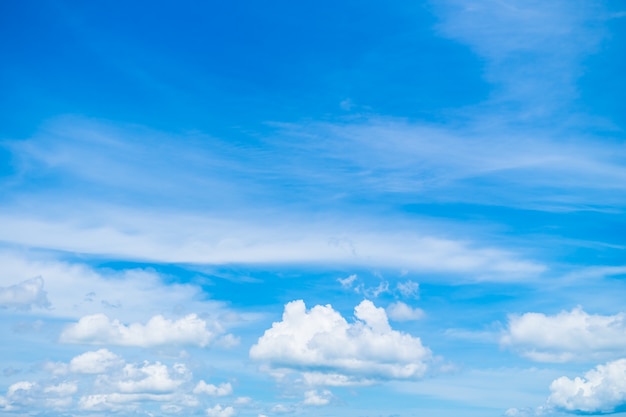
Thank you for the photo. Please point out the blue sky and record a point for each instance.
(359, 208)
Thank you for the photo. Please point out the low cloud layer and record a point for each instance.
(337, 352)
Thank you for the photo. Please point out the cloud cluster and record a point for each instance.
(566, 336)
(332, 351)
(99, 329)
(26, 294)
(317, 398)
(601, 390)
(102, 381)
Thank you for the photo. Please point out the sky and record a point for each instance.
(356, 208)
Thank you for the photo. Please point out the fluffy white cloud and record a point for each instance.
(151, 378)
(322, 339)
(99, 329)
(601, 390)
(94, 362)
(219, 411)
(213, 390)
(568, 335)
(24, 295)
(399, 311)
(314, 397)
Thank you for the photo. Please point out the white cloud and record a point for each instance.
(76, 289)
(347, 282)
(601, 390)
(408, 289)
(62, 389)
(566, 336)
(282, 409)
(399, 311)
(99, 329)
(213, 390)
(317, 398)
(108, 383)
(368, 348)
(95, 362)
(243, 400)
(24, 295)
(522, 44)
(220, 239)
(15, 388)
(117, 401)
(151, 378)
(219, 411)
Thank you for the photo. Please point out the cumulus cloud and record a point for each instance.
(105, 382)
(399, 311)
(219, 411)
(213, 390)
(151, 378)
(601, 390)
(99, 329)
(321, 340)
(94, 362)
(24, 295)
(566, 336)
(315, 397)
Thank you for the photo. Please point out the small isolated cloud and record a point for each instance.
(321, 342)
(399, 311)
(602, 390)
(23, 296)
(347, 282)
(566, 336)
(282, 409)
(219, 411)
(94, 362)
(99, 329)
(317, 398)
(213, 390)
(409, 289)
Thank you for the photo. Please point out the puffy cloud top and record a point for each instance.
(569, 335)
(94, 362)
(24, 295)
(399, 311)
(99, 329)
(322, 340)
(602, 390)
